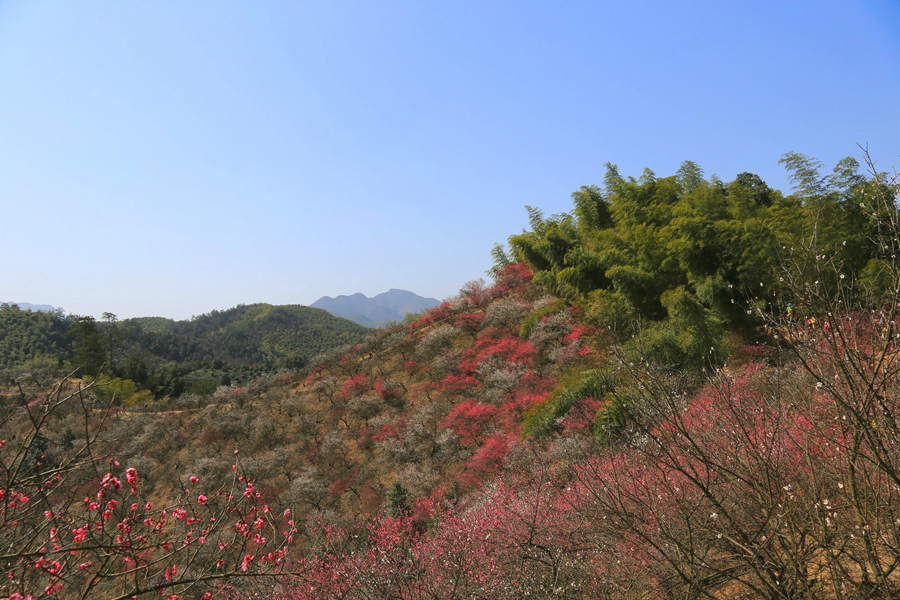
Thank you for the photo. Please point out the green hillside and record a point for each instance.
(261, 334)
(27, 336)
(168, 356)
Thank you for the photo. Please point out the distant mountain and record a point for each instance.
(378, 311)
(32, 307)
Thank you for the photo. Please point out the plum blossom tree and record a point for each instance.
(78, 524)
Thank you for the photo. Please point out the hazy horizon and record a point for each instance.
(174, 158)
(49, 307)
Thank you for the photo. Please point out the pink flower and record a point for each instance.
(201, 499)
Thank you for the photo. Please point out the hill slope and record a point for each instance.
(161, 354)
(245, 334)
(27, 335)
(512, 442)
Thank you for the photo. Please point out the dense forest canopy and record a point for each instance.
(684, 256)
(28, 335)
(168, 357)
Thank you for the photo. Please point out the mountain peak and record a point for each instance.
(31, 307)
(378, 311)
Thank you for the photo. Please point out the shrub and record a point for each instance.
(596, 383)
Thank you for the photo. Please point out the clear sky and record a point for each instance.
(171, 158)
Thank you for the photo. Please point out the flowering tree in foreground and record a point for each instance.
(773, 482)
(843, 331)
(75, 523)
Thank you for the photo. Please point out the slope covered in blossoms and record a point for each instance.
(498, 446)
(507, 443)
(435, 403)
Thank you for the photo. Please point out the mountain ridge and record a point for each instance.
(378, 311)
(31, 307)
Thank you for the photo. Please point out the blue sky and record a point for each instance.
(171, 158)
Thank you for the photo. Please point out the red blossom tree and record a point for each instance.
(79, 524)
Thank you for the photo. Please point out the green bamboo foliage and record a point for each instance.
(685, 255)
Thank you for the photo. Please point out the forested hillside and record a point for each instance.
(168, 357)
(236, 343)
(28, 336)
(683, 389)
